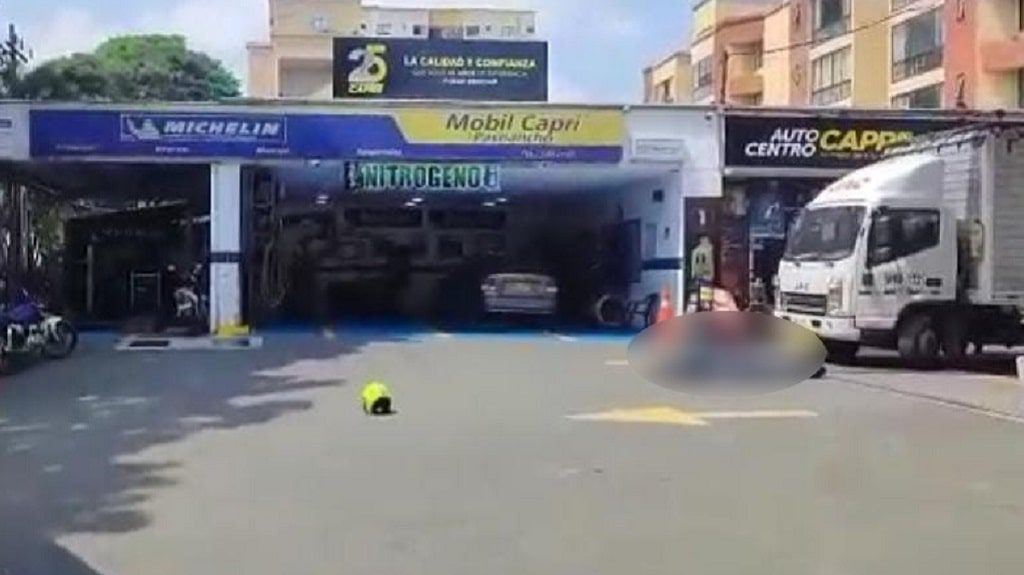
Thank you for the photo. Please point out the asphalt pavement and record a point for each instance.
(510, 453)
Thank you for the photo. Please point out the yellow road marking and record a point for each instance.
(661, 415)
(675, 416)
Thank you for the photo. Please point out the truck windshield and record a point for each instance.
(826, 234)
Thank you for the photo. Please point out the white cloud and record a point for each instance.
(66, 31)
(218, 27)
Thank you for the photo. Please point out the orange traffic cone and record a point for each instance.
(666, 311)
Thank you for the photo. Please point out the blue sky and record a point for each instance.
(598, 47)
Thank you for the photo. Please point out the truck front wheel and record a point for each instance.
(918, 342)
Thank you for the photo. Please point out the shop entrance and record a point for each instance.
(342, 242)
(737, 241)
(107, 244)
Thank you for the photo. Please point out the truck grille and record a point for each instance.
(806, 303)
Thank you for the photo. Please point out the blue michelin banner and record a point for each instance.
(560, 135)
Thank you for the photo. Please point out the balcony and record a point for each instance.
(832, 94)
(917, 64)
(1003, 56)
(832, 30)
(748, 84)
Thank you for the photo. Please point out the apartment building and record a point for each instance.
(726, 51)
(984, 54)
(297, 60)
(669, 81)
(859, 53)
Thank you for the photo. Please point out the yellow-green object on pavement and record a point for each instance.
(376, 398)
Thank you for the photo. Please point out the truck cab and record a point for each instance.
(868, 251)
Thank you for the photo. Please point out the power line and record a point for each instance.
(805, 43)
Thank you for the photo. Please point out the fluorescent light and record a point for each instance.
(417, 200)
(502, 200)
(490, 205)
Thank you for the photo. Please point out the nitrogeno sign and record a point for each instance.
(423, 177)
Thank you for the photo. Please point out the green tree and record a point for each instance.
(132, 68)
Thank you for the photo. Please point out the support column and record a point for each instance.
(226, 249)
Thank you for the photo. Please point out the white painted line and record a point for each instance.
(567, 338)
(764, 414)
(130, 344)
(444, 335)
(329, 334)
(617, 363)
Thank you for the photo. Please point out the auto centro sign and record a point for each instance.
(396, 133)
(818, 142)
(422, 177)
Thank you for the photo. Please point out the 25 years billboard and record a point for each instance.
(400, 68)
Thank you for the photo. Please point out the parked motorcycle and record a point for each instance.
(27, 328)
(191, 307)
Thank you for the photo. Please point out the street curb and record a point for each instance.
(949, 402)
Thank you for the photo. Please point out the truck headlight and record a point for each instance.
(835, 304)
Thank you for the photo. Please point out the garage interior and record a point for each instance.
(105, 243)
(320, 253)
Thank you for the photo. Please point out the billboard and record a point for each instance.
(439, 69)
(422, 177)
(444, 133)
(818, 142)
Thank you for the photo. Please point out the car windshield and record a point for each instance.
(827, 234)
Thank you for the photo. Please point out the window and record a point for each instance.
(530, 30)
(663, 92)
(830, 78)
(897, 234)
(472, 31)
(703, 78)
(925, 98)
(831, 19)
(384, 29)
(917, 45)
(446, 32)
(418, 29)
(508, 31)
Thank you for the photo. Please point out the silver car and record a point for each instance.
(520, 293)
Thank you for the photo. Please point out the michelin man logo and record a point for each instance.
(147, 132)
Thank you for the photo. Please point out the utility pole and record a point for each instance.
(13, 55)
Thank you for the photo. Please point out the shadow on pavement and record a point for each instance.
(991, 363)
(65, 428)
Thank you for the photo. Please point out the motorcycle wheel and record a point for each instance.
(63, 342)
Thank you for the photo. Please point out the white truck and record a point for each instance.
(922, 251)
